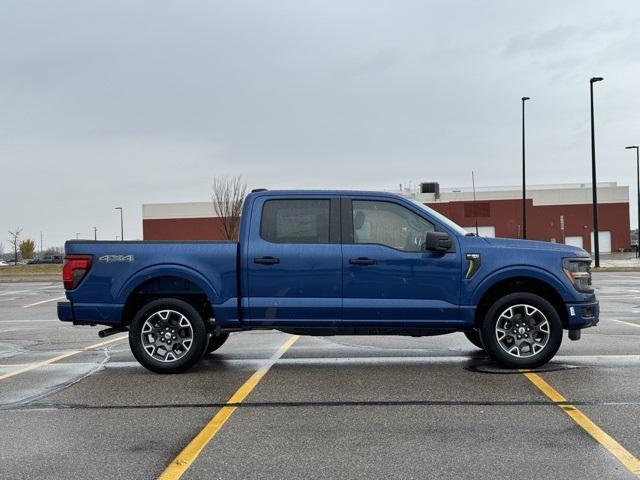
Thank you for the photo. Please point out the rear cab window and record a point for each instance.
(296, 221)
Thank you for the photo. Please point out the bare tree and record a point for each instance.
(228, 197)
(14, 241)
(54, 251)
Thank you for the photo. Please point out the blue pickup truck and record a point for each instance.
(332, 263)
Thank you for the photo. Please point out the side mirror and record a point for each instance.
(437, 241)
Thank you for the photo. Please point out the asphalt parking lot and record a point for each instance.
(76, 406)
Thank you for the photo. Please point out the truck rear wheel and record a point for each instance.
(522, 330)
(216, 341)
(168, 336)
(474, 337)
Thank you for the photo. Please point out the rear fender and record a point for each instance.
(170, 270)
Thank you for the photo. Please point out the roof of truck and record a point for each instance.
(325, 192)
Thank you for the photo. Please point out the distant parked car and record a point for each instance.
(3, 263)
(47, 259)
(16, 262)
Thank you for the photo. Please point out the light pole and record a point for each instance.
(524, 178)
(77, 235)
(121, 224)
(95, 233)
(475, 211)
(638, 182)
(596, 240)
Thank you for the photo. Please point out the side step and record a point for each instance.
(112, 331)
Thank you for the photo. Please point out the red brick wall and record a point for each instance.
(182, 229)
(543, 221)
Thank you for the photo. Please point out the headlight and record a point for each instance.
(578, 270)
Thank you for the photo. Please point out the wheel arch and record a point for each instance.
(515, 284)
(171, 283)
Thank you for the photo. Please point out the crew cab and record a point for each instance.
(332, 263)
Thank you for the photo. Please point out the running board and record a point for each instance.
(112, 331)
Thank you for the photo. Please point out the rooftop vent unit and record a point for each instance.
(430, 187)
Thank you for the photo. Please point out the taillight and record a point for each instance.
(74, 270)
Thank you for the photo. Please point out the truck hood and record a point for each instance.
(561, 248)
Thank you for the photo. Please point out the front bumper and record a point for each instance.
(582, 315)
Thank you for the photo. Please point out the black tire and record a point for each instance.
(216, 341)
(474, 337)
(514, 304)
(195, 335)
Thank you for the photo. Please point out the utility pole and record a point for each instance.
(475, 210)
(637, 148)
(596, 234)
(41, 247)
(121, 224)
(524, 178)
(95, 233)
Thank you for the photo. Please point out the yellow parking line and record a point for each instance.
(187, 456)
(32, 366)
(627, 323)
(630, 462)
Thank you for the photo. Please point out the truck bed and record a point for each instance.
(121, 268)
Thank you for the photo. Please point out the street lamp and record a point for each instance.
(95, 233)
(524, 178)
(121, 224)
(596, 240)
(638, 182)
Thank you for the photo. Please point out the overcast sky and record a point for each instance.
(120, 103)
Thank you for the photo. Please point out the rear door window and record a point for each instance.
(295, 221)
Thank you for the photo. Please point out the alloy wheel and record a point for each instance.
(522, 330)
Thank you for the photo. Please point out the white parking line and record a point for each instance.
(44, 301)
(7, 330)
(637, 325)
(31, 321)
(13, 292)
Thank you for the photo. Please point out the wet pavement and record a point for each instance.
(330, 407)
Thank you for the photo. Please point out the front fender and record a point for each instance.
(521, 271)
(168, 270)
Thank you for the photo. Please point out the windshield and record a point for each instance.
(440, 218)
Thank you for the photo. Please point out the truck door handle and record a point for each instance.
(266, 260)
(362, 261)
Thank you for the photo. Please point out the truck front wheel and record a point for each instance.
(168, 336)
(522, 330)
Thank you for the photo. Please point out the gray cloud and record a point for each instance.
(123, 103)
(541, 42)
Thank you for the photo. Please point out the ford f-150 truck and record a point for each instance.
(332, 263)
